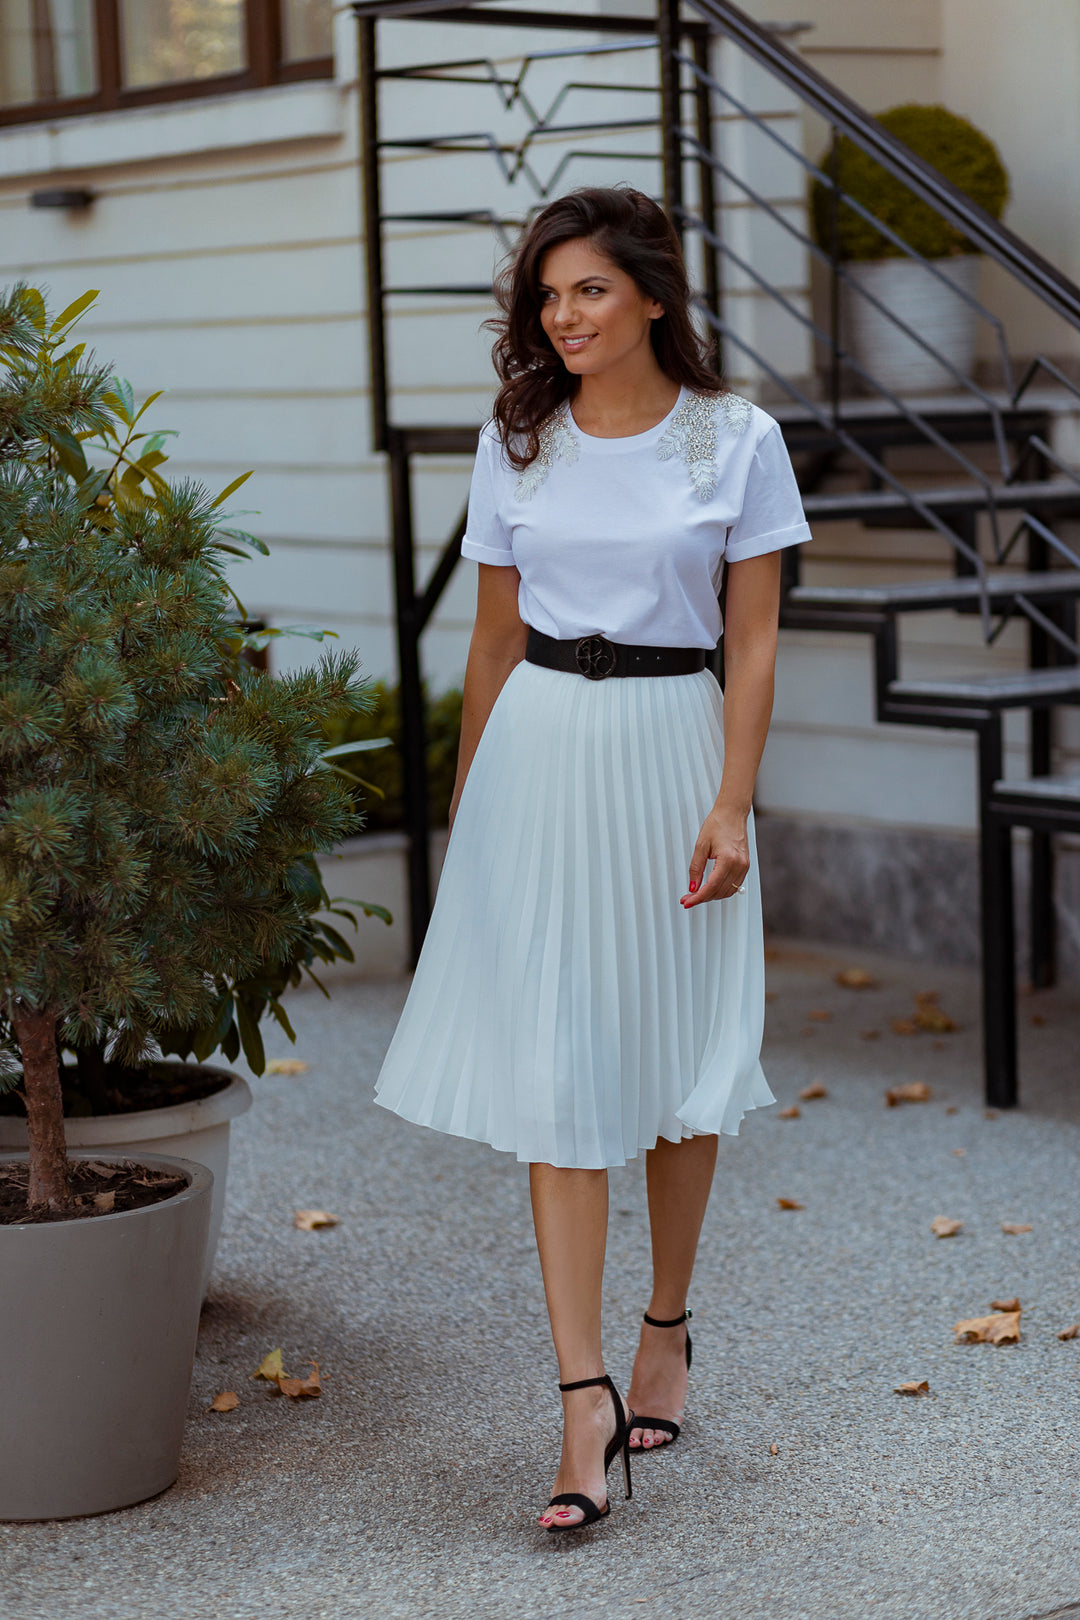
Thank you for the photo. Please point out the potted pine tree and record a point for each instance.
(880, 276)
(154, 1106)
(156, 802)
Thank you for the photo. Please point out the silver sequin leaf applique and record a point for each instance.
(692, 435)
(557, 441)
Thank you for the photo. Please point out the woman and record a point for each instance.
(574, 1003)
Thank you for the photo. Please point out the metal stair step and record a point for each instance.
(1058, 493)
(1020, 689)
(926, 594)
(1063, 790)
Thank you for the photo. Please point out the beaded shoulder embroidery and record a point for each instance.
(556, 440)
(693, 432)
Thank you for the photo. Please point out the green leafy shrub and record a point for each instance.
(383, 771)
(160, 800)
(962, 153)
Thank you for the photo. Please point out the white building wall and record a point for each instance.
(226, 240)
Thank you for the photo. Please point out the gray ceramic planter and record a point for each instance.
(193, 1130)
(97, 1340)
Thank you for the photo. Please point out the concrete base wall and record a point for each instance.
(375, 868)
(910, 892)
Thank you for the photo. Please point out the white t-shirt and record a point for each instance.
(627, 538)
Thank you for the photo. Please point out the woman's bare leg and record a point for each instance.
(679, 1177)
(570, 1209)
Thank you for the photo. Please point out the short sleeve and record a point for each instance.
(486, 537)
(772, 515)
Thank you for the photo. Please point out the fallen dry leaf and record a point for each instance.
(856, 978)
(105, 1201)
(904, 1026)
(1014, 1228)
(227, 1401)
(820, 1015)
(1001, 1328)
(912, 1388)
(870, 1034)
(928, 1015)
(310, 1220)
(774, 1450)
(812, 1092)
(944, 1226)
(789, 1203)
(770, 995)
(808, 1029)
(989, 1113)
(270, 1367)
(1004, 1304)
(952, 1109)
(1070, 1332)
(287, 1066)
(916, 1091)
(105, 1171)
(788, 1113)
(299, 1389)
(959, 1153)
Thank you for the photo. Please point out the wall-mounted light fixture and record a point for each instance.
(62, 197)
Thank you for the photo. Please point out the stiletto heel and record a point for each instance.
(665, 1424)
(620, 1442)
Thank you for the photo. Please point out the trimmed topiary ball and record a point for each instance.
(959, 151)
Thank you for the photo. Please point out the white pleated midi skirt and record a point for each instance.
(566, 1008)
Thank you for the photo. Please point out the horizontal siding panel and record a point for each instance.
(892, 776)
(242, 216)
(278, 282)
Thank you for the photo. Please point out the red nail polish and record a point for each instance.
(693, 886)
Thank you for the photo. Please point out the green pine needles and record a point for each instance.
(160, 800)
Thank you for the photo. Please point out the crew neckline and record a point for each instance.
(625, 441)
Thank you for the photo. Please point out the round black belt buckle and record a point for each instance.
(595, 658)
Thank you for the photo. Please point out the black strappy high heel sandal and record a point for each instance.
(620, 1442)
(665, 1424)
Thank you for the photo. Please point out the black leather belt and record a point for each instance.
(596, 657)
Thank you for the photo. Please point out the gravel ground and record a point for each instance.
(410, 1489)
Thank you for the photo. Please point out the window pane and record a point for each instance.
(173, 40)
(306, 29)
(46, 50)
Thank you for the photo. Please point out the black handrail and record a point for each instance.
(762, 43)
(993, 238)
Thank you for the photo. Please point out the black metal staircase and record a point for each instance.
(999, 489)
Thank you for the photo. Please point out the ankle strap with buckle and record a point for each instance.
(588, 1383)
(676, 1321)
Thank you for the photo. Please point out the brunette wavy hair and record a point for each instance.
(635, 234)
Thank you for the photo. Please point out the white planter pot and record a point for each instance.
(193, 1130)
(926, 304)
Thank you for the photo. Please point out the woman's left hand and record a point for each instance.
(722, 840)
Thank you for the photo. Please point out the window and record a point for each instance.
(61, 57)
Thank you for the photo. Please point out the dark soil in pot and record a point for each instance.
(98, 1188)
(94, 1089)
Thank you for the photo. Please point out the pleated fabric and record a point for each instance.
(565, 1007)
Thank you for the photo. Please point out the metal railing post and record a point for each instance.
(834, 276)
(998, 928)
(413, 731)
(667, 31)
(707, 205)
(371, 225)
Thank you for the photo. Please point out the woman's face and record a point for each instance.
(594, 314)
